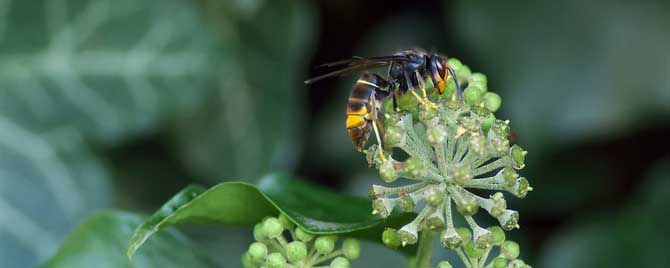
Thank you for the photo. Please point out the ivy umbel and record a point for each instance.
(281, 244)
(450, 145)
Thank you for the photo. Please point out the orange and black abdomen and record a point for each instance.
(360, 108)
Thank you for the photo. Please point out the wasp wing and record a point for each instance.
(355, 64)
(356, 60)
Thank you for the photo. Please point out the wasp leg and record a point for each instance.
(395, 102)
(377, 126)
(425, 101)
(458, 86)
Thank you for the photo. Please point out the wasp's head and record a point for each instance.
(438, 68)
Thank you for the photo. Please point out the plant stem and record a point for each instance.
(424, 253)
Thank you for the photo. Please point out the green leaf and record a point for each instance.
(101, 239)
(110, 69)
(315, 209)
(80, 72)
(48, 183)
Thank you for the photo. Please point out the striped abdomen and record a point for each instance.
(360, 109)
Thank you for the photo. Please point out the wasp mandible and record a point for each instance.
(407, 71)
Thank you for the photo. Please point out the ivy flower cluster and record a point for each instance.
(281, 244)
(474, 257)
(448, 144)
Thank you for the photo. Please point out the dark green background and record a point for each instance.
(119, 104)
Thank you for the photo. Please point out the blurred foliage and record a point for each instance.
(80, 77)
(214, 88)
(633, 236)
(100, 241)
(572, 70)
(252, 124)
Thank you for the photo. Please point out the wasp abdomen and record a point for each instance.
(360, 109)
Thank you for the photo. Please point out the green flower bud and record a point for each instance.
(472, 251)
(499, 146)
(465, 234)
(468, 206)
(498, 235)
(433, 196)
(393, 136)
(414, 167)
(351, 248)
(435, 220)
(276, 260)
(478, 145)
(499, 205)
(509, 175)
(454, 63)
(406, 203)
(339, 262)
(509, 220)
(516, 264)
(477, 77)
(480, 112)
(443, 264)
(407, 102)
(387, 171)
(499, 262)
(479, 84)
(521, 188)
(325, 244)
(390, 238)
(379, 208)
(408, 234)
(450, 239)
(257, 251)
(247, 262)
(472, 95)
(450, 88)
(426, 114)
(302, 235)
(509, 250)
(296, 251)
(469, 123)
(492, 101)
(272, 227)
(285, 222)
(463, 73)
(501, 128)
(452, 105)
(461, 174)
(259, 232)
(519, 156)
(436, 134)
(482, 238)
(488, 122)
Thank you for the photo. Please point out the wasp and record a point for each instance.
(407, 71)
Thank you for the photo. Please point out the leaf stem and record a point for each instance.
(424, 254)
(464, 259)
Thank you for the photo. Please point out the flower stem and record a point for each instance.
(424, 253)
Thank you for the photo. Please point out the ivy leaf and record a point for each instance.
(100, 241)
(48, 183)
(314, 209)
(74, 73)
(110, 69)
